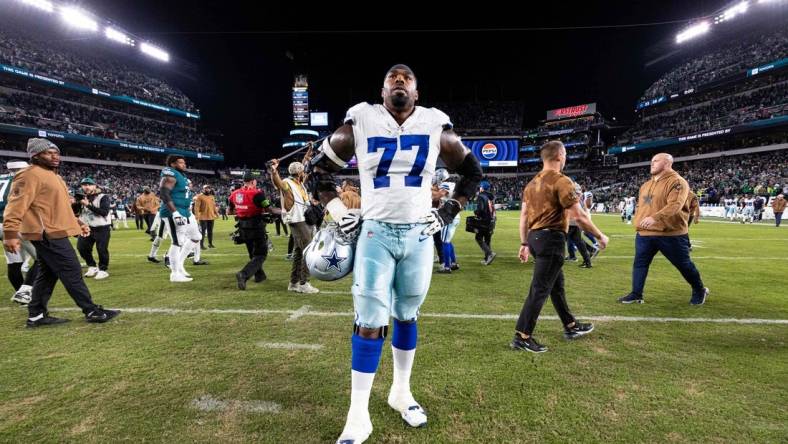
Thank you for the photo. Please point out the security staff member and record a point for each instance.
(250, 204)
(549, 200)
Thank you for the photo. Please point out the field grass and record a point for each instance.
(136, 379)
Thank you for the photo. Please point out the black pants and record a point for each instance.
(575, 235)
(149, 218)
(206, 227)
(138, 221)
(99, 236)
(484, 239)
(280, 225)
(257, 247)
(547, 248)
(224, 216)
(58, 261)
(778, 217)
(290, 243)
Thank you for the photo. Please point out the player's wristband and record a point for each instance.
(337, 209)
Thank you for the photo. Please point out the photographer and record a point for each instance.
(94, 211)
(250, 204)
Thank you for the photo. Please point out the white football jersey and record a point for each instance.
(396, 163)
(630, 202)
(749, 203)
(730, 202)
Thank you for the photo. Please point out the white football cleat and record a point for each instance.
(91, 272)
(410, 410)
(307, 288)
(356, 430)
(101, 275)
(23, 295)
(177, 277)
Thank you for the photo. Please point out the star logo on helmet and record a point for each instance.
(333, 260)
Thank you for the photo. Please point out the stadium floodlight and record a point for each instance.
(155, 52)
(43, 5)
(693, 31)
(733, 11)
(118, 36)
(78, 19)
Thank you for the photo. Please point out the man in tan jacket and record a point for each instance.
(39, 210)
(206, 212)
(661, 224)
(778, 205)
(147, 204)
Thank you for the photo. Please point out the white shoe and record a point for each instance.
(101, 275)
(307, 288)
(356, 430)
(294, 287)
(23, 295)
(91, 272)
(177, 277)
(410, 410)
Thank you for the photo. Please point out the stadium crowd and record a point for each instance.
(727, 59)
(486, 118)
(52, 57)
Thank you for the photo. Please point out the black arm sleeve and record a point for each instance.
(322, 177)
(470, 172)
(260, 200)
(103, 208)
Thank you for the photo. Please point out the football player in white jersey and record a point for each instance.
(730, 208)
(630, 209)
(748, 211)
(397, 145)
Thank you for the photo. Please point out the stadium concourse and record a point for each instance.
(210, 357)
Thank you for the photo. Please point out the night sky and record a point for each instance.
(243, 58)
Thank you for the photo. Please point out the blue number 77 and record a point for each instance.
(389, 145)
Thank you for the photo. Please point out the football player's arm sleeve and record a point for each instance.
(260, 200)
(460, 160)
(165, 190)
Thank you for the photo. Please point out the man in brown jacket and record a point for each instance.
(147, 204)
(778, 205)
(205, 211)
(661, 224)
(39, 210)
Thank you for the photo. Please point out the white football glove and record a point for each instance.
(434, 221)
(179, 219)
(350, 222)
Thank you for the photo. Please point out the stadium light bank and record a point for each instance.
(43, 5)
(722, 16)
(77, 18)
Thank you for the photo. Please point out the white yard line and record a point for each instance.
(299, 313)
(463, 316)
(289, 346)
(208, 403)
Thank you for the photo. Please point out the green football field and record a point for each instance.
(204, 362)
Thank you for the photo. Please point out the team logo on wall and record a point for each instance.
(489, 151)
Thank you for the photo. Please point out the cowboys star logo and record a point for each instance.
(333, 260)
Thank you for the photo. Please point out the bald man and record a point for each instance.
(661, 223)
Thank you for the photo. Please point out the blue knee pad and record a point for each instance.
(365, 354)
(405, 335)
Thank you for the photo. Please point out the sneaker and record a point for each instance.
(153, 260)
(577, 330)
(307, 288)
(101, 315)
(45, 320)
(101, 275)
(294, 287)
(201, 262)
(356, 430)
(260, 276)
(529, 344)
(570, 259)
(489, 259)
(177, 277)
(443, 270)
(410, 410)
(455, 267)
(586, 265)
(700, 299)
(240, 279)
(91, 272)
(23, 295)
(631, 299)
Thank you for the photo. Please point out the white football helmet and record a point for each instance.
(441, 175)
(329, 256)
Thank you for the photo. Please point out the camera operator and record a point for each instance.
(94, 211)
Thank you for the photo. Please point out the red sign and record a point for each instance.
(571, 111)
